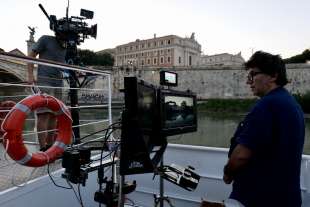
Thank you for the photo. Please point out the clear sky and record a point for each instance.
(276, 26)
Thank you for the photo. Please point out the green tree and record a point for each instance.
(88, 57)
(105, 59)
(301, 58)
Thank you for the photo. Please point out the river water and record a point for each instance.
(214, 130)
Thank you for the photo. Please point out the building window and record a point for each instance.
(136, 47)
(155, 61)
(142, 54)
(162, 42)
(130, 47)
(179, 60)
(142, 62)
(190, 60)
(148, 44)
(168, 59)
(148, 61)
(168, 50)
(142, 46)
(155, 44)
(161, 60)
(168, 42)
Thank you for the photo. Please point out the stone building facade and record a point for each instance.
(223, 59)
(166, 51)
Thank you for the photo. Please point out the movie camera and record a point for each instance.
(151, 114)
(72, 29)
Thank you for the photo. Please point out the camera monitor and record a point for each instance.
(141, 150)
(178, 112)
(140, 103)
(168, 78)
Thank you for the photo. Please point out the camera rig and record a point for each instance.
(74, 29)
(78, 163)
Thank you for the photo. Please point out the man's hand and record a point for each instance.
(31, 79)
(228, 178)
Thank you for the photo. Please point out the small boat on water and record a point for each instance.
(45, 186)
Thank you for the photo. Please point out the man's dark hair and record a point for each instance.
(269, 64)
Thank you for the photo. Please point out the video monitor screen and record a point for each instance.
(178, 113)
(168, 78)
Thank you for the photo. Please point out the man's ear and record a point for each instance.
(274, 78)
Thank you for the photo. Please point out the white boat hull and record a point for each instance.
(208, 162)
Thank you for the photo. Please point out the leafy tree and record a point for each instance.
(89, 57)
(301, 58)
(104, 59)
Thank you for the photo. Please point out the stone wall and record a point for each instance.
(213, 82)
(207, 82)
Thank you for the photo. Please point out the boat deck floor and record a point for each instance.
(13, 174)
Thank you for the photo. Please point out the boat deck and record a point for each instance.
(16, 175)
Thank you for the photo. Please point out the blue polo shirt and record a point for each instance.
(274, 130)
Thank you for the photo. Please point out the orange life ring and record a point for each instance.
(13, 126)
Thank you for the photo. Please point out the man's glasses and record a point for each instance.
(252, 74)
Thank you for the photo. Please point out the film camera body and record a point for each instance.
(72, 29)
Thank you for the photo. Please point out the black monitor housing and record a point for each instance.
(168, 78)
(141, 149)
(140, 103)
(151, 114)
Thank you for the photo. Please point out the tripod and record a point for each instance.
(159, 200)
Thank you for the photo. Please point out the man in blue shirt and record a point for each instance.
(266, 150)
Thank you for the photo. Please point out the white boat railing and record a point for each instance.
(101, 84)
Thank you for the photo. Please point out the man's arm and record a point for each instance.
(239, 158)
(30, 68)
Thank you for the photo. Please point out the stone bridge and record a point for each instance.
(13, 70)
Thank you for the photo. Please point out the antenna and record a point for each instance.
(67, 10)
(43, 10)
